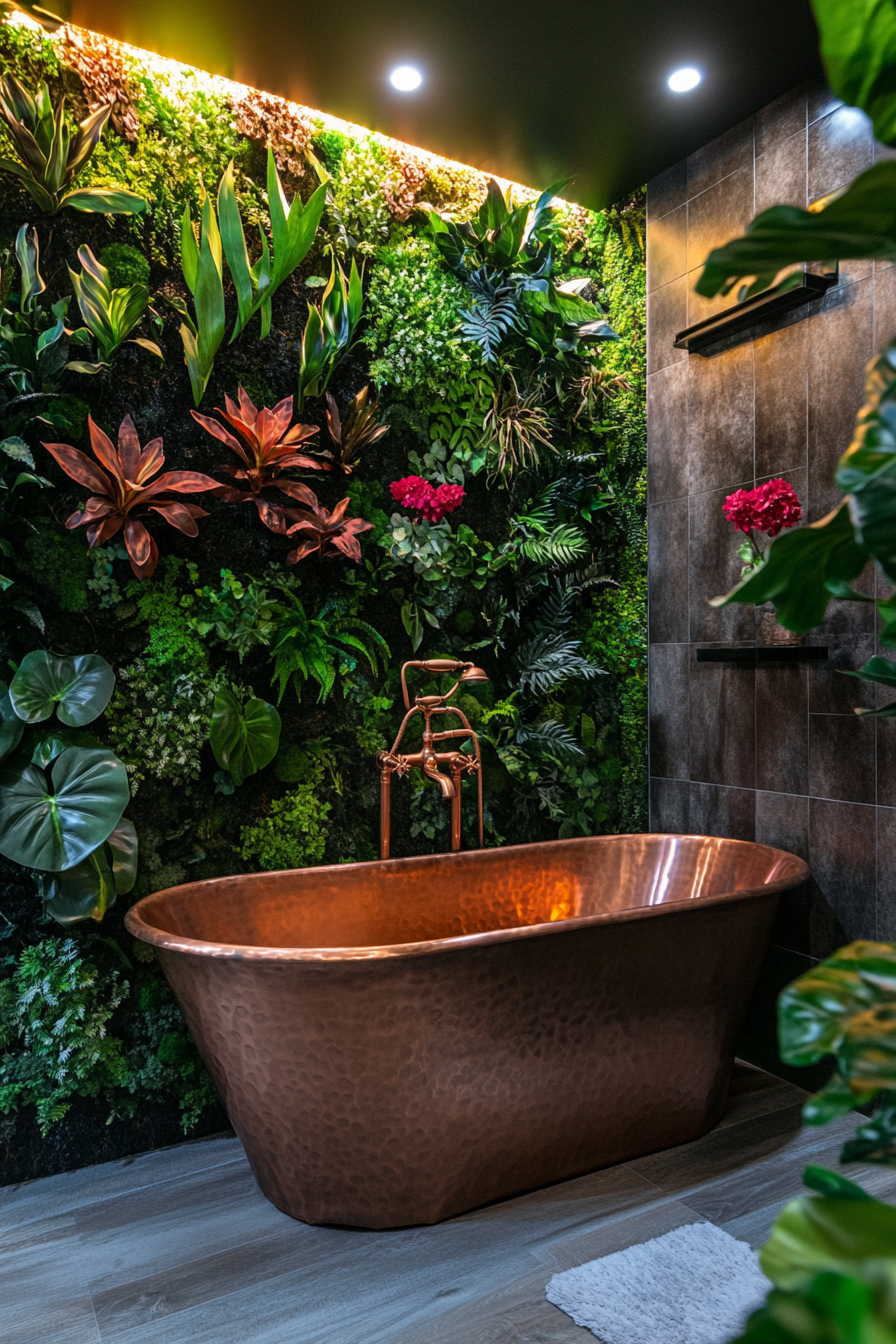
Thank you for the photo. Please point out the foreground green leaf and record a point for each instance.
(858, 47)
(54, 830)
(243, 739)
(79, 689)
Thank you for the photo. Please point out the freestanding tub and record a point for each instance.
(399, 1041)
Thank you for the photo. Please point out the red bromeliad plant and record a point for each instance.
(770, 508)
(266, 447)
(329, 533)
(123, 484)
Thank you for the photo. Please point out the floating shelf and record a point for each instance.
(781, 653)
(743, 316)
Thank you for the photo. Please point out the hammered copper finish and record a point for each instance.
(399, 1041)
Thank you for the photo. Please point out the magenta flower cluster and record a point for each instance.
(413, 492)
(769, 508)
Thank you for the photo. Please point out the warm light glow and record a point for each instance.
(24, 21)
(406, 78)
(682, 81)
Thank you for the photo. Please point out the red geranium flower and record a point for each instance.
(770, 508)
(413, 492)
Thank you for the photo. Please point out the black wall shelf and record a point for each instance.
(781, 653)
(752, 312)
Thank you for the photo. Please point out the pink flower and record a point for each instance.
(413, 492)
(769, 508)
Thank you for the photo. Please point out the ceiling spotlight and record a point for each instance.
(682, 81)
(406, 78)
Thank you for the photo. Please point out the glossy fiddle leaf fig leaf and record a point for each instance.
(797, 568)
(244, 739)
(858, 47)
(79, 689)
(11, 726)
(85, 891)
(54, 825)
(859, 223)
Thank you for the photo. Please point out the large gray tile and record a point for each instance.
(781, 174)
(782, 739)
(780, 372)
(884, 305)
(713, 570)
(886, 874)
(842, 757)
(667, 433)
(667, 314)
(669, 807)
(720, 420)
(831, 691)
(667, 192)
(667, 547)
(782, 821)
(669, 710)
(780, 120)
(721, 157)
(842, 859)
(841, 146)
(718, 214)
(723, 724)
(667, 248)
(886, 762)
(729, 813)
(840, 345)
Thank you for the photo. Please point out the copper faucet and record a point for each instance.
(427, 758)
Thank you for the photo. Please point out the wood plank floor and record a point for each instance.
(180, 1247)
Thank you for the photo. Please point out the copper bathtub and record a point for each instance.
(399, 1041)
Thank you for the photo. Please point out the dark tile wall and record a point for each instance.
(774, 753)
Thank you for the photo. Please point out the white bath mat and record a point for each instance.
(695, 1285)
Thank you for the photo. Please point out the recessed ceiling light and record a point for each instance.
(406, 78)
(682, 81)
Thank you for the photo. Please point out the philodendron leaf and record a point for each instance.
(875, 1141)
(858, 47)
(45, 745)
(123, 844)
(83, 892)
(79, 689)
(56, 826)
(815, 1235)
(832, 1184)
(815, 1011)
(11, 726)
(867, 470)
(860, 223)
(243, 739)
(797, 568)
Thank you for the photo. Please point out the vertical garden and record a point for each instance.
(283, 405)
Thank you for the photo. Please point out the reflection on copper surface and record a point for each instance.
(399, 1041)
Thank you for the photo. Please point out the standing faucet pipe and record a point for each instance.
(427, 759)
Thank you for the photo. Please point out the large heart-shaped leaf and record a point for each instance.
(79, 689)
(244, 740)
(56, 826)
(83, 892)
(858, 46)
(11, 726)
(44, 745)
(818, 1234)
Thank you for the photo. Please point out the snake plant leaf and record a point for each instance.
(79, 689)
(858, 47)
(797, 568)
(819, 1234)
(11, 726)
(243, 739)
(55, 827)
(859, 223)
(85, 891)
(105, 201)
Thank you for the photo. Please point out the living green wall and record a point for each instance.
(539, 574)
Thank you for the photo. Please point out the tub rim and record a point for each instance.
(147, 932)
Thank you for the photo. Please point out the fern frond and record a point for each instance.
(488, 322)
(551, 737)
(545, 662)
(563, 545)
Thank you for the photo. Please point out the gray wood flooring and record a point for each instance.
(180, 1247)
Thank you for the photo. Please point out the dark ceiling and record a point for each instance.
(532, 91)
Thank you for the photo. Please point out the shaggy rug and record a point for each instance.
(695, 1285)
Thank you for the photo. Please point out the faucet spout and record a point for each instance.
(444, 783)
